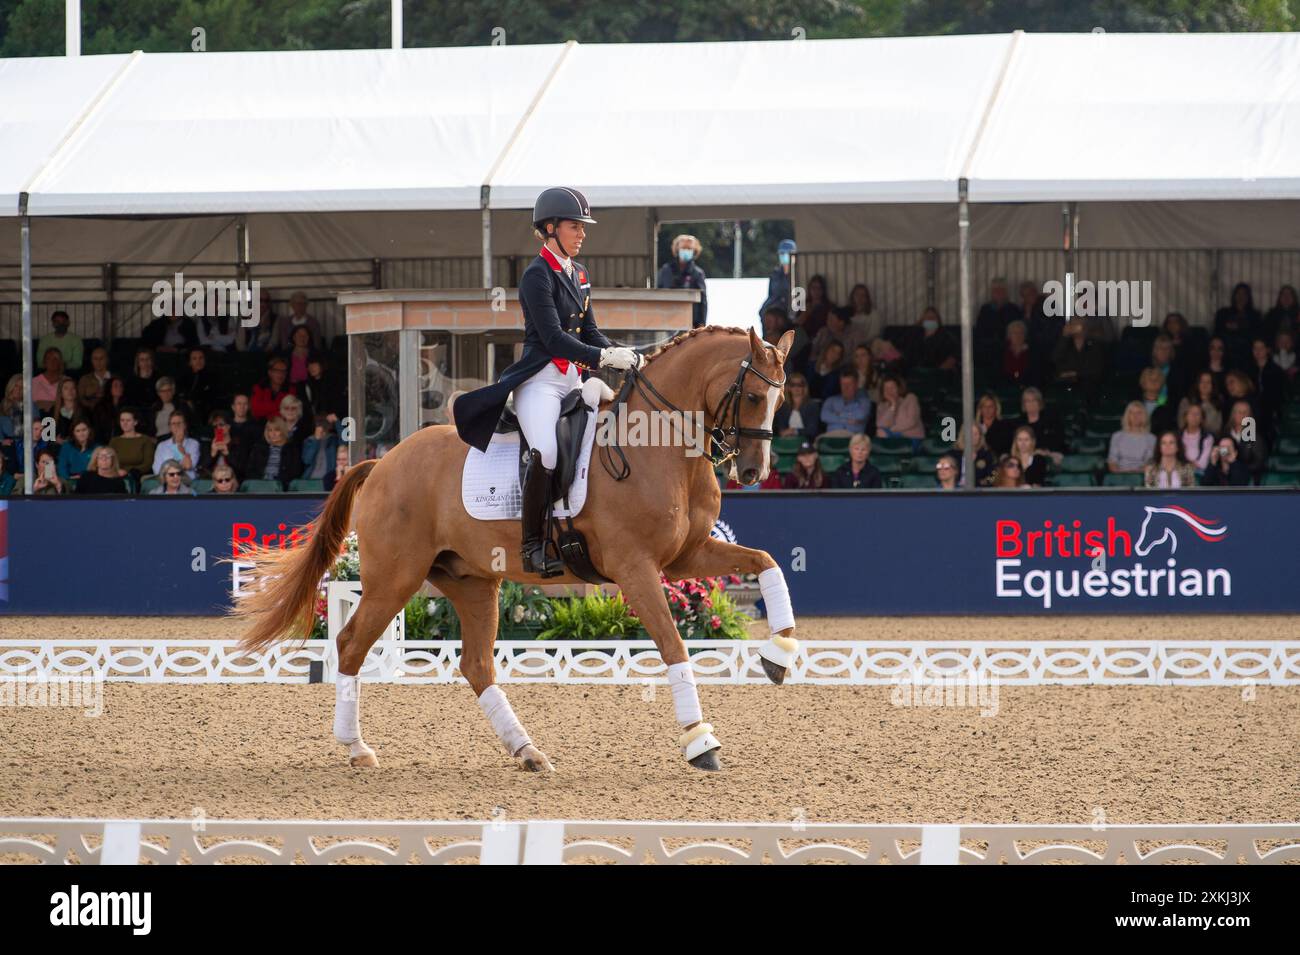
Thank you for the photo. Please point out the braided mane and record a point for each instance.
(681, 337)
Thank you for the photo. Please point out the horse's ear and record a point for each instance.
(757, 346)
(784, 345)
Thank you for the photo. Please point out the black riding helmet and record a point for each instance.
(560, 202)
(557, 203)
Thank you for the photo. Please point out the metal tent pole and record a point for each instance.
(25, 231)
(967, 332)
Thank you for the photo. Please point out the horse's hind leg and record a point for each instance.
(380, 603)
(475, 600)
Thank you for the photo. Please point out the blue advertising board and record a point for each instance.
(874, 553)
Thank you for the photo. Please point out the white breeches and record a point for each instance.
(537, 406)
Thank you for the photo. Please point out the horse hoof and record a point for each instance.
(364, 760)
(707, 761)
(534, 760)
(774, 673)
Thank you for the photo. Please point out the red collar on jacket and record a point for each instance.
(551, 260)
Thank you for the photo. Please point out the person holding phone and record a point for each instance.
(47, 474)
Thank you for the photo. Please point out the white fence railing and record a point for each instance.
(828, 662)
(554, 842)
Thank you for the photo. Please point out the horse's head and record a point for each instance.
(759, 392)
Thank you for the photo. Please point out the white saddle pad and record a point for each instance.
(490, 486)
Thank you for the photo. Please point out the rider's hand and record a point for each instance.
(620, 358)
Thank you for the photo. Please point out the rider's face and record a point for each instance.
(571, 235)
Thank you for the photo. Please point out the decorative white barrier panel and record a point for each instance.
(829, 662)
(117, 842)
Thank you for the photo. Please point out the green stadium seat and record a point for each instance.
(149, 482)
(888, 465)
(914, 481)
(1082, 463)
(935, 446)
(1277, 479)
(259, 486)
(1288, 446)
(832, 444)
(307, 486)
(787, 444)
(1122, 480)
(832, 462)
(900, 446)
(1072, 479)
(202, 485)
(1090, 446)
(1287, 463)
(924, 464)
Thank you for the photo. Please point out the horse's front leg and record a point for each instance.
(645, 595)
(713, 558)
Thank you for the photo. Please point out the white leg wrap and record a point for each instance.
(497, 709)
(780, 616)
(347, 709)
(776, 597)
(686, 700)
(699, 740)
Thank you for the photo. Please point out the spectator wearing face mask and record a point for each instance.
(683, 271)
(778, 283)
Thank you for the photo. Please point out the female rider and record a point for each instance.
(560, 338)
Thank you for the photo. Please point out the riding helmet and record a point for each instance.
(561, 202)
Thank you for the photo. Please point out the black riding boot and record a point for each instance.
(538, 492)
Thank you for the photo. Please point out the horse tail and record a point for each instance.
(284, 606)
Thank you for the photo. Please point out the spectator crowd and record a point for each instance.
(1095, 401)
(171, 416)
(205, 405)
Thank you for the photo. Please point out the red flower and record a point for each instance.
(715, 622)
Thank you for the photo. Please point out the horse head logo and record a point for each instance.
(1160, 524)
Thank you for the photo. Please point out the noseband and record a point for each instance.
(724, 436)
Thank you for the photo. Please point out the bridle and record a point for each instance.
(724, 440)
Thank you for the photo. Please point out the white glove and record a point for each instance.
(620, 358)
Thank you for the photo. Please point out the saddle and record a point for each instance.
(570, 543)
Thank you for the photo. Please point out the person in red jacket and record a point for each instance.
(268, 395)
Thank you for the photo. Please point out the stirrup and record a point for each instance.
(548, 567)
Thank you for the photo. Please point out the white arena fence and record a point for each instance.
(823, 662)
(555, 842)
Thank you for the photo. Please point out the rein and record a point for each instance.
(724, 441)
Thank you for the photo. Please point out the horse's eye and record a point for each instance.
(752, 397)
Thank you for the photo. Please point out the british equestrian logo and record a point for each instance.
(1037, 563)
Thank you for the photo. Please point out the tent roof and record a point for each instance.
(298, 131)
(41, 100)
(1143, 117)
(900, 120)
(870, 120)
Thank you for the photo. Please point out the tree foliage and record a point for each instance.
(35, 27)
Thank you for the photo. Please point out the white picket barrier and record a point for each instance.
(556, 842)
(824, 662)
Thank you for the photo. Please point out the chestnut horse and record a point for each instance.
(411, 526)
